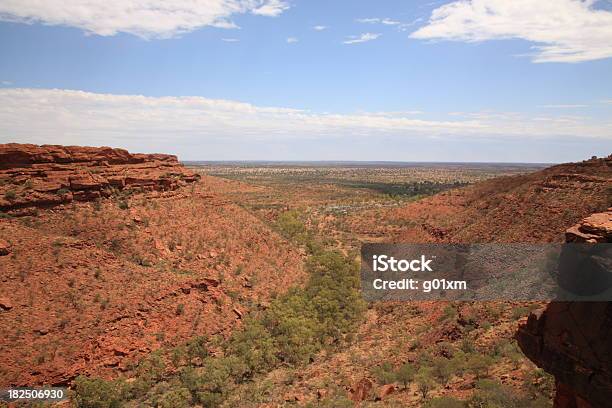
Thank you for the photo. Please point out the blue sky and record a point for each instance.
(478, 80)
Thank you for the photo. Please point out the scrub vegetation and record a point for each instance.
(290, 332)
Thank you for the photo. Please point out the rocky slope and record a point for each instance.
(49, 175)
(573, 340)
(535, 207)
(92, 287)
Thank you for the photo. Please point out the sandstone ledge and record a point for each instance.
(49, 175)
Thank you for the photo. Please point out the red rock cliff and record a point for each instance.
(573, 340)
(48, 175)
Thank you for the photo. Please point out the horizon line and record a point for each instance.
(362, 161)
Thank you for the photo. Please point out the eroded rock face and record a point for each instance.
(573, 340)
(361, 390)
(49, 175)
(595, 228)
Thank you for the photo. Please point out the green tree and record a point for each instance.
(424, 381)
(97, 393)
(176, 397)
(290, 224)
(491, 394)
(384, 373)
(254, 346)
(442, 369)
(479, 365)
(405, 374)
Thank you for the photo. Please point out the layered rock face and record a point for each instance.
(595, 228)
(48, 175)
(573, 340)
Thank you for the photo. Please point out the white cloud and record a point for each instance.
(567, 106)
(608, 101)
(6, 83)
(368, 20)
(355, 39)
(292, 40)
(135, 121)
(562, 30)
(385, 21)
(319, 27)
(388, 21)
(144, 18)
(269, 8)
(230, 39)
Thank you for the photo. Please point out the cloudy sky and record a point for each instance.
(461, 80)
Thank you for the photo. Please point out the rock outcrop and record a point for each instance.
(5, 248)
(361, 391)
(573, 340)
(595, 228)
(49, 175)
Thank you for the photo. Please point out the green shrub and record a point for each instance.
(176, 397)
(149, 371)
(292, 330)
(467, 345)
(458, 364)
(405, 374)
(479, 364)
(337, 401)
(333, 291)
(495, 395)
(255, 347)
(445, 349)
(290, 225)
(519, 312)
(450, 313)
(97, 393)
(213, 380)
(180, 309)
(424, 381)
(292, 322)
(540, 384)
(445, 402)
(384, 373)
(196, 348)
(442, 370)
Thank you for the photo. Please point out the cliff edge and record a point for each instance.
(573, 340)
(49, 175)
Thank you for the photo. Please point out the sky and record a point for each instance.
(454, 80)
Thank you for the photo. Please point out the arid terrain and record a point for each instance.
(348, 203)
(137, 281)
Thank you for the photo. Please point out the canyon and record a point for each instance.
(109, 258)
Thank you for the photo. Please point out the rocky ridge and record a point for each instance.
(44, 176)
(573, 340)
(127, 246)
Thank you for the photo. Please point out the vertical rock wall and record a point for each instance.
(573, 340)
